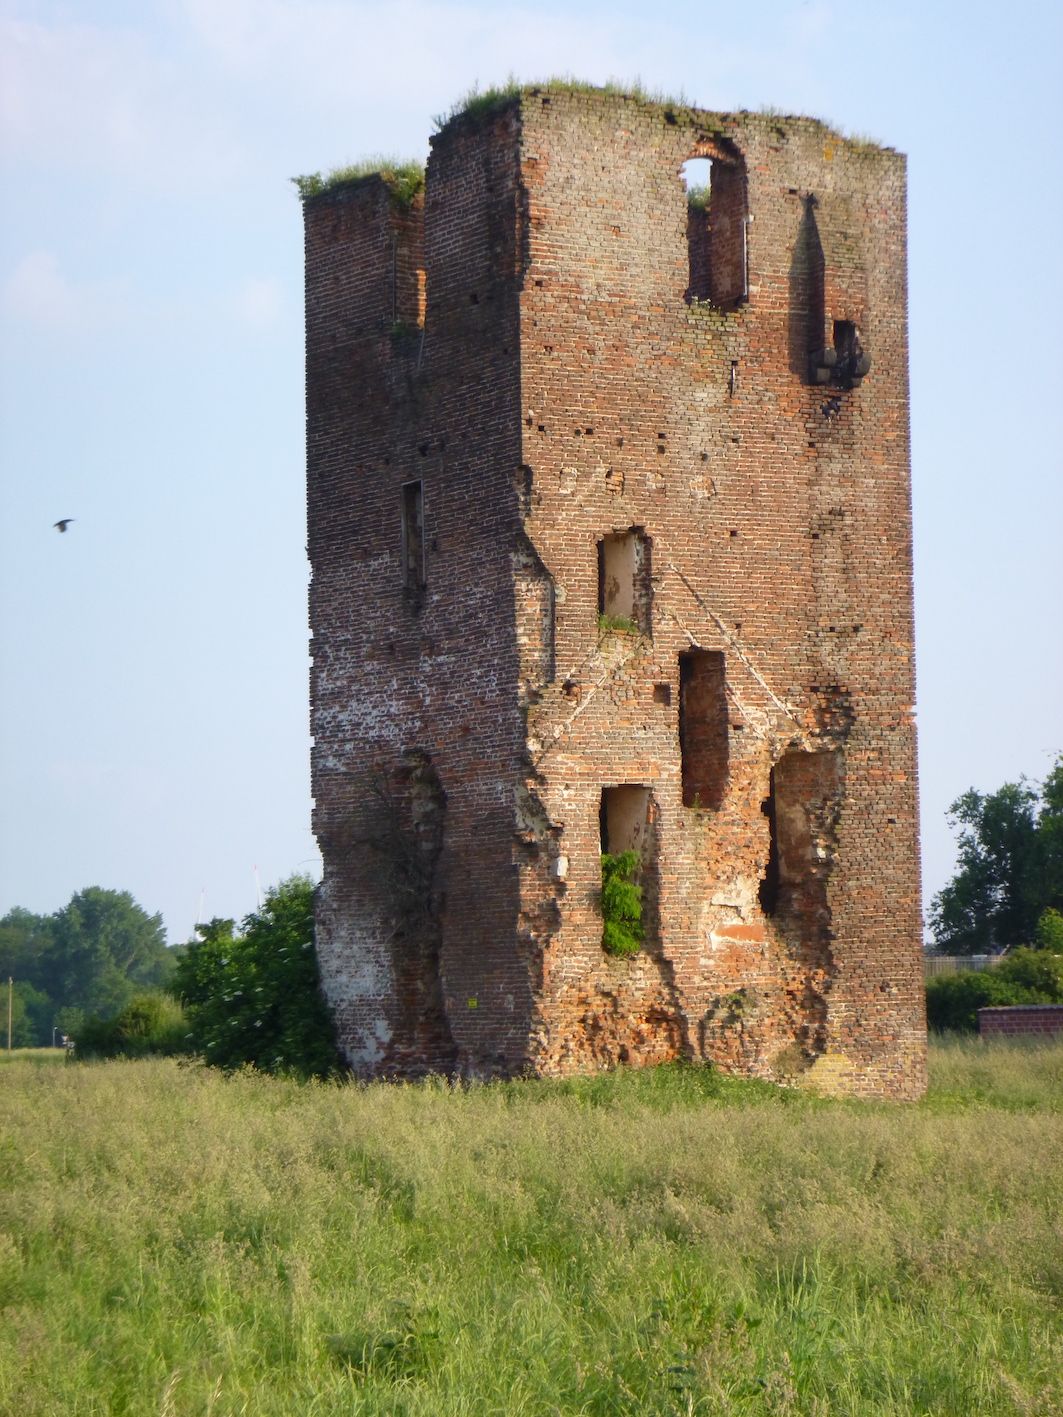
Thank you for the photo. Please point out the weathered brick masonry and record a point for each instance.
(611, 549)
(1021, 1020)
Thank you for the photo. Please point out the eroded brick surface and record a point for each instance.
(565, 391)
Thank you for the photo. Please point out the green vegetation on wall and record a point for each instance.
(622, 624)
(482, 103)
(404, 178)
(621, 904)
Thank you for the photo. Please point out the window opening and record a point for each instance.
(624, 581)
(697, 178)
(716, 231)
(703, 727)
(851, 363)
(413, 573)
(846, 362)
(802, 808)
(625, 822)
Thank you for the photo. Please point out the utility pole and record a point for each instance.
(10, 994)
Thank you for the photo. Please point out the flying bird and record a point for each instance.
(63, 523)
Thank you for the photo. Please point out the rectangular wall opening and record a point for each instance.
(413, 570)
(624, 581)
(716, 231)
(629, 878)
(703, 727)
(624, 819)
(802, 808)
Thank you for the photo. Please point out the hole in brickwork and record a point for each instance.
(769, 885)
(624, 819)
(716, 231)
(624, 581)
(409, 288)
(413, 572)
(630, 887)
(662, 693)
(802, 809)
(703, 727)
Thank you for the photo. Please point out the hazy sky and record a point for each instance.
(153, 703)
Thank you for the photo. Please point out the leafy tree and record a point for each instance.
(67, 1022)
(1010, 867)
(30, 1017)
(25, 942)
(89, 957)
(30, 1009)
(1049, 932)
(104, 948)
(1049, 854)
(254, 997)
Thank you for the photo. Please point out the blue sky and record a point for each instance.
(153, 661)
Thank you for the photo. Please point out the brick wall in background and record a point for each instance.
(1021, 1021)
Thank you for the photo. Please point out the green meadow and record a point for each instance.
(174, 1241)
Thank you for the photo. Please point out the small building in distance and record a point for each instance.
(610, 533)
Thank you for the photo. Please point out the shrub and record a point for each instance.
(255, 998)
(1037, 970)
(622, 623)
(151, 1023)
(621, 904)
(1024, 977)
(1048, 934)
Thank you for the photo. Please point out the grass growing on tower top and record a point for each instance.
(403, 176)
(481, 103)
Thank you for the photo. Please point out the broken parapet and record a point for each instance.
(609, 524)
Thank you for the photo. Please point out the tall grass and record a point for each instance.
(667, 1242)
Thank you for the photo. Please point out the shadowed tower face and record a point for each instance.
(610, 532)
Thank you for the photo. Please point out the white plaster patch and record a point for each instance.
(369, 1047)
(738, 895)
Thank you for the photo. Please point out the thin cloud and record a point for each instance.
(79, 97)
(39, 294)
(259, 302)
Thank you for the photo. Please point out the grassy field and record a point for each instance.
(175, 1242)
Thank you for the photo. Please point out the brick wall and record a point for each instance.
(565, 389)
(1021, 1021)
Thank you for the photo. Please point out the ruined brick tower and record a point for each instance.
(611, 544)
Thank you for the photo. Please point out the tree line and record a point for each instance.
(88, 958)
(99, 972)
